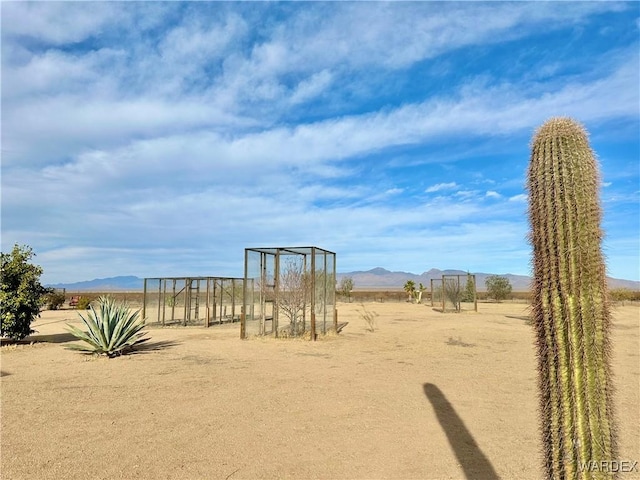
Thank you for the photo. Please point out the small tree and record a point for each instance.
(346, 286)
(294, 286)
(418, 293)
(20, 293)
(452, 291)
(410, 288)
(469, 294)
(498, 287)
(52, 299)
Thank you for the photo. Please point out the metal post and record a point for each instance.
(173, 302)
(222, 312)
(187, 302)
(475, 294)
(144, 302)
(304, 302)
(313, 293)
(431, 281)
(324, 296)
(333, 293)
(206, 320)
(159, 298)
(164, 297)
(243, 319)
(276, 302)
(263, 292)
(233, 299)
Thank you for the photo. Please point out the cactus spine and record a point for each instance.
(570, 311)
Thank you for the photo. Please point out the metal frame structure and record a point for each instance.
(439, 296)
(191, 300)
(294, 283)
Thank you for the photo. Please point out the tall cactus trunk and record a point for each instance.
(570, 311)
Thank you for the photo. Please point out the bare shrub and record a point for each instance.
(294, 291)
(453, 292)
(368, 317)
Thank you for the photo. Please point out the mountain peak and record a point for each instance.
(378, 271)
(432, 272)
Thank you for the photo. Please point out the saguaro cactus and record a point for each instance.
(570, 310)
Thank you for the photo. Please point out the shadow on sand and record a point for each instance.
(148, 347)
(141, 348)
(35, 338)
(145, 347)
(473, 462)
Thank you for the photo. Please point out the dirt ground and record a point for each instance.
(426, 396)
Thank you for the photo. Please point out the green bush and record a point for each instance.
(20, 293)
(53, 300)
(346, 286)
(112, 329)
(84, 303)
(498, 287)
(623, 295)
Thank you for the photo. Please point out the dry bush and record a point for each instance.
(368, 317)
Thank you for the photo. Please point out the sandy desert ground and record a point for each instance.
(426, 396)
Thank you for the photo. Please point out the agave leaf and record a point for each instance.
(108, 312)
(117, 332)
(81, 348)
(128, 345)
(125, 348)
(92, 321)
(80, 335)
(124, 328)
(131, 339)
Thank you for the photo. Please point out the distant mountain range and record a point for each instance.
(111, 284)
(380, 278)
(376, 278)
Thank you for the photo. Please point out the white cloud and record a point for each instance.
(492, 194)
(96, 110)
(466, 194)
(521, 197)
(398, 35)
(311, 87)
(57, 23)
(77, 123)
(441, 186)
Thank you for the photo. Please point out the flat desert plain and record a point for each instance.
(426, 396)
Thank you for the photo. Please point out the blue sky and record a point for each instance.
(161, 139)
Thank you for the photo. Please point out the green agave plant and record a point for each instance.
(113, 329)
